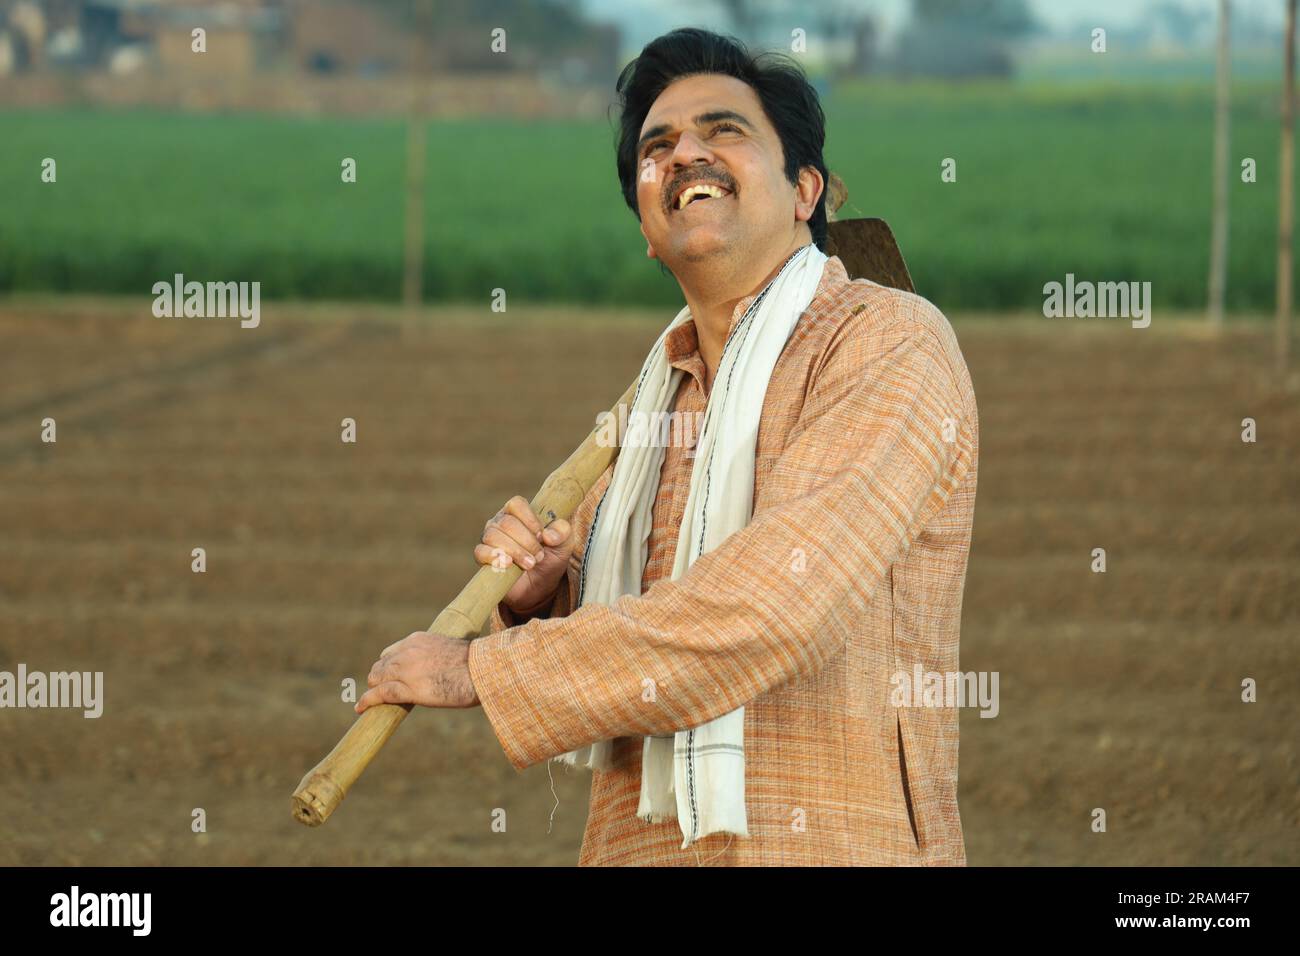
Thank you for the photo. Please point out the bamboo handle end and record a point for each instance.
(315, 799)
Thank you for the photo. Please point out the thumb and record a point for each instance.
(557, 538)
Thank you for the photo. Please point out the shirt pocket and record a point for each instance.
(907, 788)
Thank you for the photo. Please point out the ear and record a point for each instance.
(649, 247)
(807, 192)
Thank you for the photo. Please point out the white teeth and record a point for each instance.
(690, 192)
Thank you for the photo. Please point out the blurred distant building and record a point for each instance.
(347, 36)
(546, 37)
(241, 36)
(23, 27)
(351, 56)
(956, 39)
(121, 35)
(344, 37)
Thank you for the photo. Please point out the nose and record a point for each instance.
(690, 149)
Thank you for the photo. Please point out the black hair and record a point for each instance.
(788, 99)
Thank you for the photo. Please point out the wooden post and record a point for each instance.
(1286, 210)
(413, 243)
(416, 121)
(1219, 222)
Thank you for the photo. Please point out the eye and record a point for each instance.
(657, 144)
(731, 126)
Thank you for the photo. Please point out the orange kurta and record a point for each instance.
(850, 571)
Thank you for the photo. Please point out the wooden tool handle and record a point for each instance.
(325, 786)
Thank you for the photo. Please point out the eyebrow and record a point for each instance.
(712, 116)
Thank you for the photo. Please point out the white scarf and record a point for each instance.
(698, 774)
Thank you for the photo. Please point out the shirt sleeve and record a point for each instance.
(886, 434)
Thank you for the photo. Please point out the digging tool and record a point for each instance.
(867, 249)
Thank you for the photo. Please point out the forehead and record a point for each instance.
(684, 99)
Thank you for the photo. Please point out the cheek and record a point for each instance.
(648, 192)
(779, 197)
(647, 198)
(759, 182)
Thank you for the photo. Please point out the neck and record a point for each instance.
(712, 296)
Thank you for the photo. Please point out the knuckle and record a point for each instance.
(523, 510)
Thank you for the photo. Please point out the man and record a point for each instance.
(717, 632)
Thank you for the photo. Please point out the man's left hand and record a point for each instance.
(423, 668)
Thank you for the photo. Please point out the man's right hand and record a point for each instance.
(516, 536)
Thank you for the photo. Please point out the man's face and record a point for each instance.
(710, 130)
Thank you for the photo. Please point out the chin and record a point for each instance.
(702, 244)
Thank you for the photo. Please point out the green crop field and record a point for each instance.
(1109, 182)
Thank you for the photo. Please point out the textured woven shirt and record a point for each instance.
(850, 572)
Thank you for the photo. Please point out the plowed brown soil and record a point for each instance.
(1118, 690)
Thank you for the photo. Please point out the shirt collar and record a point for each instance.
(682, 345)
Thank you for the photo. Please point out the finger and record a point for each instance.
(523, 555)
(519, 532)
(515, 529)
(396, 645)
(522, 510)
(557, 533)
(376, 675)
(496, 557)
(388, 668)
(391, 692)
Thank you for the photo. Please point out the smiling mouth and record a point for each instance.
(698, 193)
